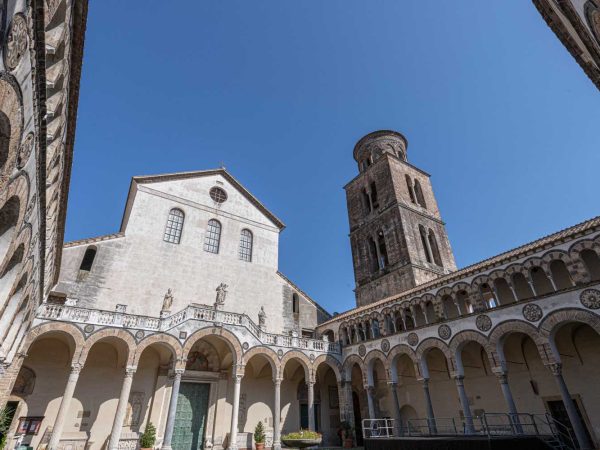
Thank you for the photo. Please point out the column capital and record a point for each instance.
(310, 383)
(237, 372)
(424, 381)
(459, 379)
(178, 372)
(130, 371)
(76, 368)
(555, 368)
(502, 376)
(277, 380)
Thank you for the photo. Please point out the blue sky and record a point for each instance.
(279, 91)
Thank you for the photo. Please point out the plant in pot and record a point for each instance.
(148, 437)
(302, 439)
(259, 436)
(347, 433)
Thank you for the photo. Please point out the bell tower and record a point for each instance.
(397, 236)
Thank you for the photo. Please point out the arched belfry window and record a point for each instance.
(296, 306)
(213, 236)
(245, 252)
(409, 186)
(174, 226)
(425, 243)
(88, 259)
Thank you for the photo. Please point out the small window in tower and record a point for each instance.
(411, 194)
(218, 195)
(366, 201)
(434, 248)
(373, 255)
(296, 306)
(425, 243)
(419, 194)
(374, 200)
(383, 256)
(88, 259)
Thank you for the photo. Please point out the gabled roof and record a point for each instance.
(147, 179)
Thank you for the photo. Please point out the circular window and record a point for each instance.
(218, 194)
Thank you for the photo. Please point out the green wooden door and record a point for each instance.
(190, 418)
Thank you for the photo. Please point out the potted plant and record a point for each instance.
(259, 436)
(347, 433)
(148, 437)
(302, 439)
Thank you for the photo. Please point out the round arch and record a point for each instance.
(74, 335)
(269, 355)
(166, 340)
(333, 364)
(349, 363)
(121, 335)
(302, 359)
(225, 335)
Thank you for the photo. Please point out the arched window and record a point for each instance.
(213, 236)
(88, 259)
(434, 248)
(366, 201)
(592, 263)
(419, 194)
(424, 242)
(245, 252)
(174, 226)
(410, 189)
(295, 305)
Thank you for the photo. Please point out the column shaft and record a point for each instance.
(277, 415)
(237, 381)
(115, 434)
(311, 405)
(396, 401)
(510, 402)
(371, 401)
(464, 402)
(64, 407)
(576, 423)
(172, 410)
(429, 407)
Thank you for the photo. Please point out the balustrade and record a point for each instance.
(192, 312)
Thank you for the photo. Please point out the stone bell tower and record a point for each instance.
(397, 236)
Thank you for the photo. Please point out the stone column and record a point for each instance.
(238, 374)
(371, 401)
(512, 289)
(345, 394)
(172, 410)
(277, 414)
(457, 304)
(398, 420)
(464, 402)
(311, 404)
(576, 423)
(549, 275)
(63, 409)
(429, 407)
(115, 434)
(512, 409)
(531, 286)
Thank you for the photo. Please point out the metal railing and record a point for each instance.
(491, 425)
(48, 311)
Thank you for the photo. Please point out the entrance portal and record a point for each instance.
(190, 418)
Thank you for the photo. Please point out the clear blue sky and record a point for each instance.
(492, 104)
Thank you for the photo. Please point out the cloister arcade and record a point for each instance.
(210, 377)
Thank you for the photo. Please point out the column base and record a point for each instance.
(166, 447)
(276, 446)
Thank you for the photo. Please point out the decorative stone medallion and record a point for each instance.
(25, 151)
(312, 357)
(444, 331)
(412, 339)
(183, 335)
(245, 346)
(280, 353)
(139, 334)
(362, 351)
(532, 312)
(88, 328)
(483, 322)
(16, 42)
(590, 298)
(385, 346)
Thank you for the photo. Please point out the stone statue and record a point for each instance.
(167, 301)
(262, 318)
(221, 295)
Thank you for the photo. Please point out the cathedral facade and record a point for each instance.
(182, 319)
